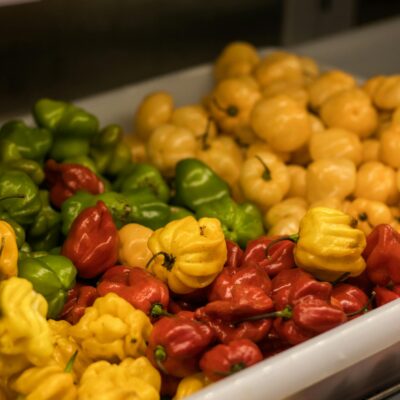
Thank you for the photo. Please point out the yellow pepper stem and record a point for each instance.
(169, 260)
(231, 110)
(70, 363)
(205, 136)
(267, 172)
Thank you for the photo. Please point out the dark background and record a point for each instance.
(73, 48)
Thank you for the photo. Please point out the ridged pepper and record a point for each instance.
(112, 330)
(240, 222)
(188, 254)
(131, 379)
(350, 299)
(234, 255)
(17, 228)
(385, 295)
(227, 359)
(138, 287)
(92, 242)
(65, 180)
(190, 385)
(176, 344)
(51, 276)
(8, 251)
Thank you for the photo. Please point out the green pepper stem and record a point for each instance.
(286, 313)
(157, 310)
(168, 263)
(205, 136)
(233, 369)
(341, 278)
(231, 111)
(293, 238)
(160, 355)
(364, 308)
(12, 196)
(267, 172)
(70, 363)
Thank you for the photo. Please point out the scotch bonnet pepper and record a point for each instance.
(385, 295)
(8, 251)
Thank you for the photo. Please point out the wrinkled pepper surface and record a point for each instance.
(8, 251)
(190, 385)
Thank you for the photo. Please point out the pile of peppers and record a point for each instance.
(114, 279)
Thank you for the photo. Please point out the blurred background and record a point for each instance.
(74, 48)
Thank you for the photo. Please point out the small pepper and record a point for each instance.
(385, 295)
(227, 359)
(92, 242)
(190, 385)
(66, 179)
(350, 299)
(18, 230)
(8, 251)
(234, 255)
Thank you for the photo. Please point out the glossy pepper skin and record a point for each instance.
(8, 251)
(350, 299)
(279, 257)
(197, 184)
(92, 243)
(51, 276)
(65, 180)
(234, 255)
(240, 222)
(385, 295)
(190, 385)
(382, 255)
(227, 359)
(175, 344)
(17, 228)
(138, 287)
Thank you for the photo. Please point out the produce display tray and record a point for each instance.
(349, 362)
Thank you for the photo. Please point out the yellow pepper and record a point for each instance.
(327, 84)
(330, 178)
(12, 364)
(188, 254)
(190, 385)
(301, 156)
(245, 135)
(8, 251)
(169, 144)
(317, 126)
(310, 69)
(336, 143)
(370, 150)
(395, 116)
(24, 330)
(376, 181)
(282, 122)
(329, 244)
(294, 90)
(285, 226)
(386, 92)
(130, 380)
(329, 202)
(294, 207)
(368, 213)
(384, 122)
(389, 149)
(155, 110)
(137, 146)
(112, 330)
(264, 179)
(259, 145)
(297, 186)
(370, 85)
(133, 249)
(231, 103)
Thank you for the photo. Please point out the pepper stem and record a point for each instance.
(168, 263)
(70, 363)
(364, 308)
(267, 172)
(286, 313)
(157, 310)
(341, 278)
(293, 238)
(231, 111)
(12, 196)
(160, 355)
(205, 135)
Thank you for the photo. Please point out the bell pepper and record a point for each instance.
(143, 175)
(51, 276)
(8, 251)
(385, 295)
(133, 249)
(226, 359)
(79, 298)
(190, 385)
(234, 255)
(45, 230)
(382, 255)
(188, 254)
(131, 379)
(92, 242)
(65, 180)
(109, 152)
(111, 329)
(176, 344)
(19, 197)
(24, 332)
(176, 212)
(32, 143)
(138, 287)
(197, 184)
(279, 257)
(350, 299)
(240, 222)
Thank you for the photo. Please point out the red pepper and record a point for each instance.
(279, 257)
(361, 281)
(176, 344)
(385, 295)
(79, 298)
(382, 255)
(350, 299)
(138, 287)
(66, 179)
(92, 242)
(234, 256)
(226, 359)
(169, 385)
(273, 344)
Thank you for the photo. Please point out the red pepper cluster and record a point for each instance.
(259, 305)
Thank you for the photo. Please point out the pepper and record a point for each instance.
(382, 255)
(143, 175)
(234, 255)
(109, 152)
(51, 276)
(350, 299)
(8, 251)
(85, 161)
(385, 295)
(190, 385)
(178, 213)
(92, 242)
(79, 298)
(188, 254)
(112, 330)
(138, 287)
(240, 222)
(227, 359)
(176, 344)
(65, 180)
(18, 230)
(197, 184)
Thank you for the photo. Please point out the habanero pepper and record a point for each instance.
(350, 299)
(92, 242)
(385, 295)
(234, 255)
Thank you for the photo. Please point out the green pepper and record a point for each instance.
(19, 197)
(197, 184)
(118, 205)
(32, 143)
(52, 276)
(110, 154)
(69, 147)
(82, 160)
(178, 213)
(240, 222)
(138, 176)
